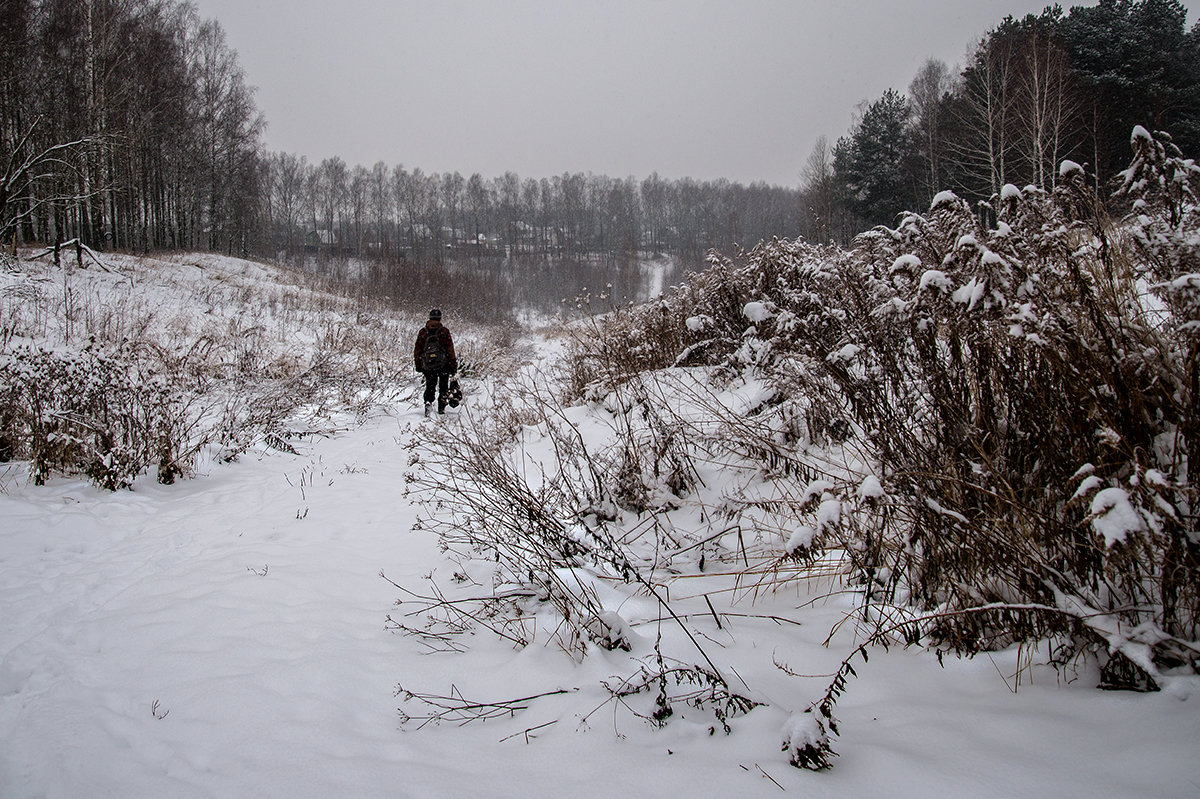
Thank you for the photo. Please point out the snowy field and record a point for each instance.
(201, 640)
(227, 636)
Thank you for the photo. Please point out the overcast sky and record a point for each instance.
(688, 88)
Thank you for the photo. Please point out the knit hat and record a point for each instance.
(435, 314)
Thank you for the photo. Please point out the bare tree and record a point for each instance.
(507, 190)
(380, 205)
(287, 193)
(926, 94)
(332, 188)
(654, 205)
(819, 189)
(478, 205)
(1018, 108)
(357, 196)
(229, 128)
(27, 168)
(451, 196)
(982, 116)
(1047, 119)
(406, 203)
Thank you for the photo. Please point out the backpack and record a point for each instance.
(436, 357)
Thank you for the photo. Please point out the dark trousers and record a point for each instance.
(440, 382)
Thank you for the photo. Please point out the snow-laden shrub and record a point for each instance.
(607, 349)
(1024, 393)
(538, 522)
(1016, 405)
(701, 321)
(1032, 417)
(549, 541)
(806, 741)
(93, 409)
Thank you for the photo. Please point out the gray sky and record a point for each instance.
(687, 88)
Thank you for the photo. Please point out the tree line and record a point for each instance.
(1034, 92)
(575, 215)
(129, 124)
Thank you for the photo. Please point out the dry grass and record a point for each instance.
(149, 364)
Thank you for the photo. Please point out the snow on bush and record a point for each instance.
(806, 742)
(757, 312)
(801, 539)
(944, 199)
(1068, 168)
(918, 415)
(870, 488)
(936, 278)
(1114, 517)
(845, 354)
(971, 293)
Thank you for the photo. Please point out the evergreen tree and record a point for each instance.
(1141, 67)
(872, 163)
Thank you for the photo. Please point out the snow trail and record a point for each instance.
(171, 632)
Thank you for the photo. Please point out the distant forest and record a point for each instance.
(130, 125)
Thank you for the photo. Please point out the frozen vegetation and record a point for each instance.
(910, 502)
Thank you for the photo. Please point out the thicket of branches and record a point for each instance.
(127, 123)
(539, 547)
(100, 410)
(987, 419)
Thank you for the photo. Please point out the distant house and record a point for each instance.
(318, 240)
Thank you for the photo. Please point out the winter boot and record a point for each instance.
(429, 409)
(441, 405)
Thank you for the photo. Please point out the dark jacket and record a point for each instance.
(434, 328)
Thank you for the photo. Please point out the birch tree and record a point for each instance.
(926, 95)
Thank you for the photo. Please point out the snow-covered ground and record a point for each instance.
(227, 636)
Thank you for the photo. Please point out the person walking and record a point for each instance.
(434, 357)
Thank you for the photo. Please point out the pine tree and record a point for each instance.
(871, 163)
(1141, 67)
